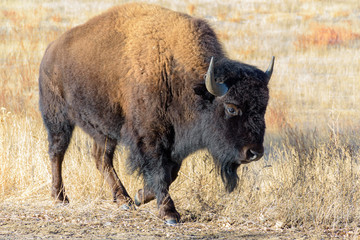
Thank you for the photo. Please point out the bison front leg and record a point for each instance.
(103, 155)
(143, 196)
(146, 195)
(157, 184)
(167, 209)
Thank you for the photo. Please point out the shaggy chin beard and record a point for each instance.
(228, 171)
(226, 166)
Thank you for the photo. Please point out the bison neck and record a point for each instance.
(188, 139)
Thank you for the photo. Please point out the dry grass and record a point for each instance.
(322, 35)
(309, 179)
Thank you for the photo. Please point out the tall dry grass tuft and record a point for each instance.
(323, 187)
(23, 170)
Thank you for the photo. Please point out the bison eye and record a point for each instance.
(232, 110)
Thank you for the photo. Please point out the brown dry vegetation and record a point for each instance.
(322, 35)
(306, 186)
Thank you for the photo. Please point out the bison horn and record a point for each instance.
(270, 68)
(216, 89)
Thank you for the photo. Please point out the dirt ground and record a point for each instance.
(103, 220)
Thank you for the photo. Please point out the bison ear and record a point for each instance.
(200, 89)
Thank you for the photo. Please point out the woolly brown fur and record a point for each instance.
(135, 75)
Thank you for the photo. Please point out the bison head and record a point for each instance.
(237, 96)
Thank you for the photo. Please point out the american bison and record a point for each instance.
(160, 83)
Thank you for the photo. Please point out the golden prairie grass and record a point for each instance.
(310, 175)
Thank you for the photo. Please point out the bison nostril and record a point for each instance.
(253, 155)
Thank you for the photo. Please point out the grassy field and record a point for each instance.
(306, 186)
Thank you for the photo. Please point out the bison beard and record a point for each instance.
(134, 75)
(229, 175)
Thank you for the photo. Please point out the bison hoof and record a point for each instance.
(171, 222)
(171, 217)
(60, 203)
(137, 200)
(61, 200)
(127, 206)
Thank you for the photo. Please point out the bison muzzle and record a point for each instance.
(158, 82)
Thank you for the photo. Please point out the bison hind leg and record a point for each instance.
(103, 152)
(59, 129)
